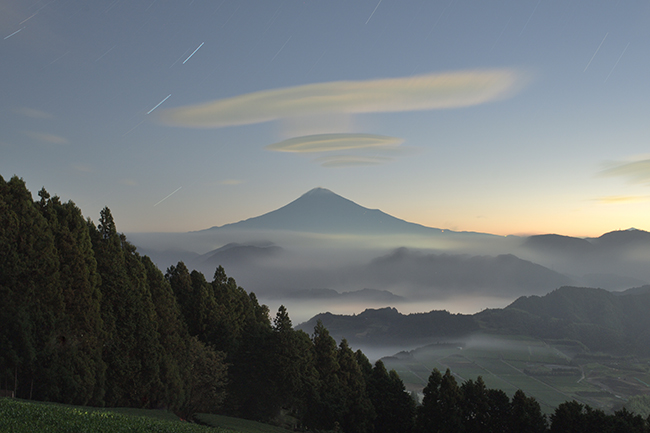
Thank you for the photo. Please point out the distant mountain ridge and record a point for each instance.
(614, 260)
(495, 274)
(570, 245)
(323, 240)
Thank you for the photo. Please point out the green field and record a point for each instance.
(553, 372)
(18, 416)
(237, 424)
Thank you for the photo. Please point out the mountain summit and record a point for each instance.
(322, 211)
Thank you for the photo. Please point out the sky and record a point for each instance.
(504, 117)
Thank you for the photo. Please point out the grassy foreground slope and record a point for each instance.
(237, 424)
(18, 416)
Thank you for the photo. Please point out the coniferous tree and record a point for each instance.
(206, 379)
(429, 412)
(451, 401)
(441, 405)
(76, 369)
(475, 406)
(498, 411)
(526, 414)
(292, 369)
(364, 365)
(132, 347)
(30, 290)
(251, 389)
(359, 414)
(327, 411)
(180, 282)
(568, 417)
(174, 339)
(574, 417)
(394, 407)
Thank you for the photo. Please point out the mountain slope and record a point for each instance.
(601, 320)
(322, 211)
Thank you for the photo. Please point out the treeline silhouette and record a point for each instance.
(86, 320)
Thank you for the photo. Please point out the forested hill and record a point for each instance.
(87, 320)
(614, 322)
(388, 327)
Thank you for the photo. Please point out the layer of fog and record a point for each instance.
(459, 272)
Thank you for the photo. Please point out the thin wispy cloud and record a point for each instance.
(424, 92)
(48, 138)
(334, 142)
(83, 168)
(623, 199)
(230, 182)
(637, 171)
(33, 113)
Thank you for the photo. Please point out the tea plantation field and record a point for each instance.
(552, 372)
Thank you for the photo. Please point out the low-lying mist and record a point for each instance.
(311, 273)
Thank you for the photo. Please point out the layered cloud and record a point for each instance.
(424, 92)
(352, 149)
(335, 161)
(334, 142)
(635, 171)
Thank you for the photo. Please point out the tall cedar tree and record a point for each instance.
(174, 339)
(441, 405)
(359, 414)
(132, 348)
(394, 407)
(526, 414)
(327, 411)
(77, 370)
(475, 406)
(294, 376)
(30, 291)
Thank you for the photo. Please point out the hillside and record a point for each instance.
(386, 326)
(602, 320)
(616, 323)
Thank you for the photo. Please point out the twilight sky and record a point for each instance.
(506, 117)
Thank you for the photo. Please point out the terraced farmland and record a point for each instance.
(552, 372)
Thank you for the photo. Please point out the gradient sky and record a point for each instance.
(506, 117)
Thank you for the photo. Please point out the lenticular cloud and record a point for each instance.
(424, 92)
(334, 142)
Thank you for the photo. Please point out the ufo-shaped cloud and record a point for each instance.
(334, 142)
(424, 92)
